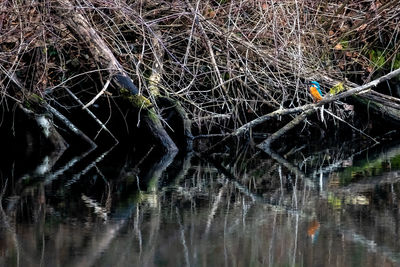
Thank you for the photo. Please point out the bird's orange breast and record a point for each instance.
(314, 92)
(313, 227)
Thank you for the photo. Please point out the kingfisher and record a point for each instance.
(315, 91)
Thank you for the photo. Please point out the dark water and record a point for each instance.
(242, 208)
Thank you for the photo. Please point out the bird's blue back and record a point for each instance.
(316, 84)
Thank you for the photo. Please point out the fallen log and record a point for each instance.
(385, 106)
(38, 107)
(150, 121)
(80, 26)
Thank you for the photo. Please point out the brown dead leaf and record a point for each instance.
(338, 47)
(210, 14)
(349, 54)
(330, 33)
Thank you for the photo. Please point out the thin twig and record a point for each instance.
(98, 95)
(92, 115)
(351, 126)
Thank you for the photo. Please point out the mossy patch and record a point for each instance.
(337, 89)
(138, 101)
(33, 101)
(153, 116)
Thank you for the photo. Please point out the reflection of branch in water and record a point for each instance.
(4, 222)
(352, 236)
(243, 189)
(338, 163)
(45, 166)
(98, 209)
(183, 170)
(52, 176)
(182, 235)
(272, 241)
(77, 176)
(284, 162)
(152, 178)
(295, 240)
(95, 249)
(103, 243)
(367, 186)
(215, 207)
(136, 228)
(289, 166)
(155, 172)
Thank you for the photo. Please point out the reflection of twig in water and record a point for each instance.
(138, 231)
(182, 235)
(77, 176)
(3, 190)
(337, 164)
(289, 166)
(243, 189)
(371, 245)
(51, 176)
(91, 254)
(272, 242)
(215, 207)
(155, 172)
(45, 166)
(183, 170)
(152, 239)
(295, 240)
(98, 209)
(364, 186)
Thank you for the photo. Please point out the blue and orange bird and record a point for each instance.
(315, 91)
(313, 230)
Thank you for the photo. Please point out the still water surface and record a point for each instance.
(244, 208)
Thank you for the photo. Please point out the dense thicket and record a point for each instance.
(225, 62)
